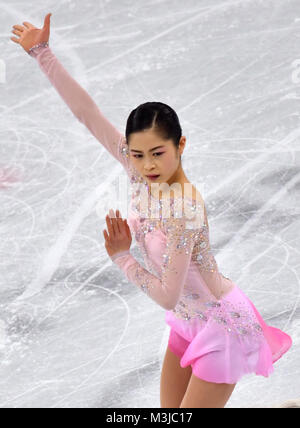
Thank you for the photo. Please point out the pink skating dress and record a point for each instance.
(218, 330)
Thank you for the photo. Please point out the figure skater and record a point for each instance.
(217, 335)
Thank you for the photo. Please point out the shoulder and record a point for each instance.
(196, 195)
(194, 215)
(186, 221)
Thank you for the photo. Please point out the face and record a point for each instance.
(151, 155)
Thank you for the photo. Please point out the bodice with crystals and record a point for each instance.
(211, 284)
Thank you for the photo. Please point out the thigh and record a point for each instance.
(202, 394)
(174, 380)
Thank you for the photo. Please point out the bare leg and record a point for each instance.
(174, 381)
(202, 394)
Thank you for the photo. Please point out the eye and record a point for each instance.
(158, 154)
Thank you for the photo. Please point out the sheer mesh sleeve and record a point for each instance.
(166, 289)
(80, 103)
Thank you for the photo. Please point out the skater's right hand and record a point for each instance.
(31, 35)
(119, 237)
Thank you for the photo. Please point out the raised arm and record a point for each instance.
(35, 42)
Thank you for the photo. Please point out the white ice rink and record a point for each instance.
(73, 331)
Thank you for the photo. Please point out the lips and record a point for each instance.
(152, 177)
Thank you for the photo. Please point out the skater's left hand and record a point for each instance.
(119, 238)
(30, 35)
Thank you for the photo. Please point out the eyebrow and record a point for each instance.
(151, 150)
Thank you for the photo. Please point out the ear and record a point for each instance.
(182, 143)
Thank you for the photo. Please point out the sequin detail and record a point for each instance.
(234, 319)
(36, 48)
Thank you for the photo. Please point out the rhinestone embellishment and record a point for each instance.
(235, 314)
(193, 296)
(212, 304)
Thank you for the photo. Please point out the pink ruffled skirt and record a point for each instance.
(219, 356)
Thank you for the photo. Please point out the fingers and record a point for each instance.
(17, 32)
(18, 27)
(118, 232)
(14, 39)
(110, 226)
(120, 221)
(28, 25)
(127, 229)
(47, 20)
(123, 226)
(116, 221)
(116, 224)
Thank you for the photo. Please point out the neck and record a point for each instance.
(178, 177)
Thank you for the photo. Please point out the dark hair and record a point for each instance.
(155, 116)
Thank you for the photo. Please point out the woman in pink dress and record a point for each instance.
(216, 333)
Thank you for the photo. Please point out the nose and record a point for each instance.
(149, 165)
